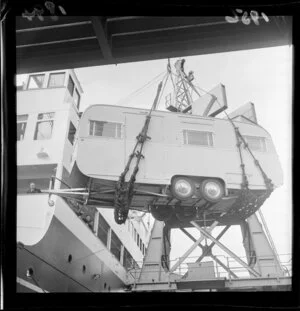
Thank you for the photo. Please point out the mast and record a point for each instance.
(181, 100)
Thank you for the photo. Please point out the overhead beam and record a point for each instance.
(97, 23)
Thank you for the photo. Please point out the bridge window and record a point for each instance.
(38, 174)
(256, 143)
(115, 246)
(56, 79)
(128, 261)
(103, 228)
(76, 97)
(36, 81)
(144, 249)
(21, 126)
(44, 127)
(72, 131)
(192, 137)
(105, 129)
(71, 86)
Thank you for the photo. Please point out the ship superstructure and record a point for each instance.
(64, 247)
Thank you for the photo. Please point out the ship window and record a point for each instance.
(105, 129)
(128, 261)
(76, 96)
(38, 174)
(103, 229)
(71, 86)
(134, 235)
(115, 246)
(141, 244)
(138, 240)
(21, 126)
(56, 79)
(44, 128)
(71, 134)
(191, 137)
(36, 81)
(256, 143)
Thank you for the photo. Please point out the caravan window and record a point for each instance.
(256, 143)
(192, 137)
(105, 129)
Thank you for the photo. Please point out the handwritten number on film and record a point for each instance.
(38, 11)
(245, 17)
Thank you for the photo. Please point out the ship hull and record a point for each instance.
(68, 258)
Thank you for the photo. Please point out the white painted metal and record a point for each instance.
(152, 270)
(266, 260)
(258, 282)
(265, 228)
(31, 286)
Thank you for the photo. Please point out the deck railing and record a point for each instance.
(219, 272)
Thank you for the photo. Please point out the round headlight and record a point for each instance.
(212, 190)
(183, 188)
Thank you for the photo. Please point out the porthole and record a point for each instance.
(104, 285)
(70, 258)
(83, 268)
(29, 272)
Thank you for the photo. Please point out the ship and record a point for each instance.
(104, 170)
(64, 247)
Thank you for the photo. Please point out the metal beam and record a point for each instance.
(191, 249)
(224, 248)
(212, 244)
(258, 282)
(53, 26)
(101, 37)
(207, 249)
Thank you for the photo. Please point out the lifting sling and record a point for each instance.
(247, 202)
(124, 192)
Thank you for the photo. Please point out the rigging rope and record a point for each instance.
(124, 192)
(136, 92)
(248, 202)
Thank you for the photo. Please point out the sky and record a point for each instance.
(262, 76)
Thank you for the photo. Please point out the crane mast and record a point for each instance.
(181, 100)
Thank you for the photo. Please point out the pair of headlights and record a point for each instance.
(184, 188)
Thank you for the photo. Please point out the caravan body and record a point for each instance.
(180, 145)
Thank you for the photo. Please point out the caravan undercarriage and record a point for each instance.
(164, 205)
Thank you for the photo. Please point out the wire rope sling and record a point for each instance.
(247, 202)
(124, 191)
